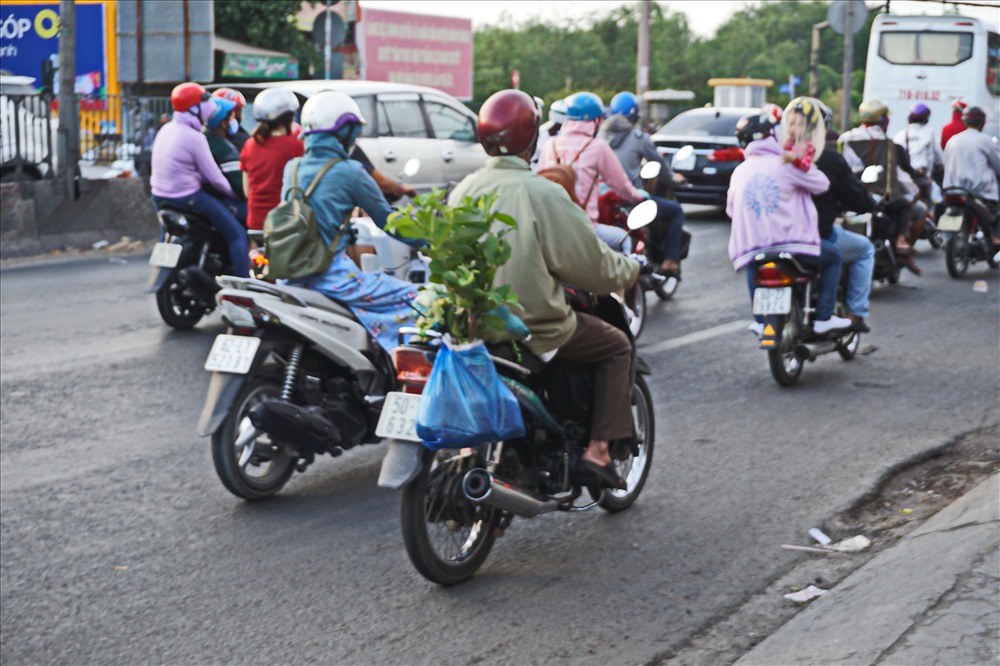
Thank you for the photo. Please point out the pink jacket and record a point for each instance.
(596, 160)
(770, 203)
(182, 160)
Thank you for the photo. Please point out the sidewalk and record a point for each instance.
(933, 598)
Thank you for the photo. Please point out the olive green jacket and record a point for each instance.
(553, 244)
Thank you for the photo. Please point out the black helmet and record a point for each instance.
(753, 128)
(974, 116)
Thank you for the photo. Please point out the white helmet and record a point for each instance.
(328, 111)
(273, 103)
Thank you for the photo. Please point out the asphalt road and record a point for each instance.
(119, 544)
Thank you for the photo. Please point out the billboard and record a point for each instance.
(424, 50)
(29, 37)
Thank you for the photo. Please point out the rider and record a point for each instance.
(920, 144)
(557, 116)
(846, 193)
(631, 146)
(874, 120)
(771, 209)
(240, 136)
(591, 159)
(331, 123)
(220, 126)
(553, 244)
(264, 157)
(971, 161)
(956, 125)
(182, 163)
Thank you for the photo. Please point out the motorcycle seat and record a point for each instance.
(317, 299)
(521, 356)
(194, 217)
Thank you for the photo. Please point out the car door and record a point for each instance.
(455, 132)
(400, 134)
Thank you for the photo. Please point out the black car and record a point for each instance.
(711, 132)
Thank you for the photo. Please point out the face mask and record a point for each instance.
(234, 126)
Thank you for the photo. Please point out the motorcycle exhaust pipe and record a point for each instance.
(481, 487)
(200, 282)
(812, 350)
(305, 427)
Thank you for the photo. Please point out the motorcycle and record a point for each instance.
(295, 376)
(185, 264)
(967, 225)
(785, 297)
(455, 503)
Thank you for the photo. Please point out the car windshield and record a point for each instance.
(707, 123)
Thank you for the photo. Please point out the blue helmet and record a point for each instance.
(626, 104)
(584, 106)
(222, 109)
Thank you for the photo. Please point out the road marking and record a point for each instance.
(691, 338)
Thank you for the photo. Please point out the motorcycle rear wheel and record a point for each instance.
(956, 253)
(178, 309)
(271, 465)
(446, 536)
(786, 366)
(634, 468)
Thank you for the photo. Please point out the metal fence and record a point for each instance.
(112, 127)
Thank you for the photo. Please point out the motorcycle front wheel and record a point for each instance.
(177, 308)
(447, 537)
(635, 299)
(786, 366)
(269, 465)
(956, 253)
(634, 467)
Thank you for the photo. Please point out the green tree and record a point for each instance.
(267, 24)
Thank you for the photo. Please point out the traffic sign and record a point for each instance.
(837, 16)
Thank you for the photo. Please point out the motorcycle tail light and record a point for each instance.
(258, 258)
(770, 275)
(242, 313)
(730, 154)
(413, 368)
(956, 198)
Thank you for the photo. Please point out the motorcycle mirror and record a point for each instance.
(411, 167)
(650, 170)
(642, 215)
(684, 159)
(871, 174)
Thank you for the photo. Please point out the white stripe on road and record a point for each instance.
(691, 338)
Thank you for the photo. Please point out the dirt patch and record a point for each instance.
(906, 496)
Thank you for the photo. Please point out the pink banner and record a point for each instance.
(423, 50)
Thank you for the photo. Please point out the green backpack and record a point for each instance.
(292, 241)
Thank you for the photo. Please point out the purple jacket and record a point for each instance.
(770, 203)
(182, 160)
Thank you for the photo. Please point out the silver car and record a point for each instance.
(404, 122)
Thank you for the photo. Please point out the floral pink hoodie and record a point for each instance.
(597, 159)
(770, 203)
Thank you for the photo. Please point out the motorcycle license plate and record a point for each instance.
(949, 223)
(398, 419)
(232, 353)
(165, 255)
(772, 301)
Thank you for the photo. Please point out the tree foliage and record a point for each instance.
(769, 40)
(268, 24)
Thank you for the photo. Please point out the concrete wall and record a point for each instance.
(36, 216)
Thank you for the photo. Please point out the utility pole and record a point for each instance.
(326, 49)
(69, 122)
(642, 60)
(845, 106)
(814, 58)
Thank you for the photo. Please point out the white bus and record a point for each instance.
(934, 60)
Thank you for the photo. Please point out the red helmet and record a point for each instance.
(187, 96)
(234, 96)
(508, 123)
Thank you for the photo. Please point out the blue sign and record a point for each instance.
(783, 89)
(29, 36)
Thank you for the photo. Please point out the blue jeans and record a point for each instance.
(828, 262)
(612, 236)
(670, 219)
(859, 258)
(220, 217)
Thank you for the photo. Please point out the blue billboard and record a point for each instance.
(29, 37)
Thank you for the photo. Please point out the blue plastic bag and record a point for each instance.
(464, 402)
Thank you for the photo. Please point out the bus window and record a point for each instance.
(925, 48)
(993, 64)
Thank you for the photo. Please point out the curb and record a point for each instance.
(66, 259)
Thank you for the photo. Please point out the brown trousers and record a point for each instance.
(598, 343)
